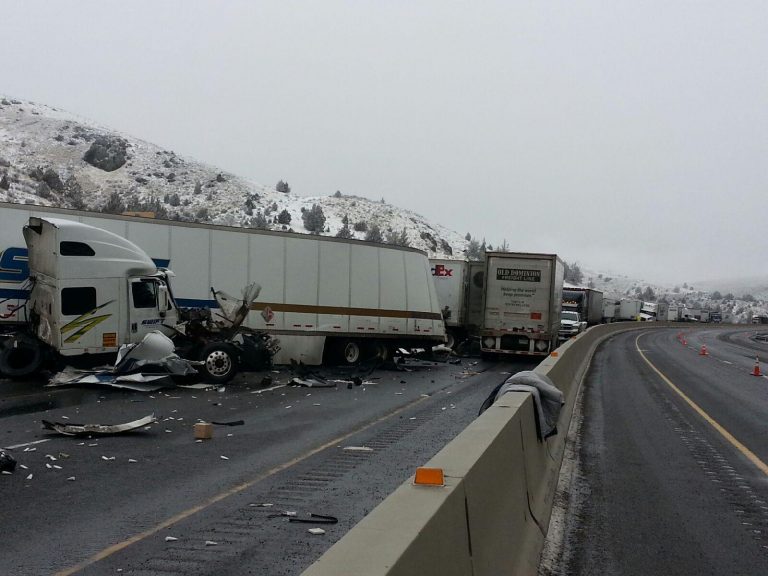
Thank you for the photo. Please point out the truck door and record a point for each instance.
(89, 317)
(144, 312)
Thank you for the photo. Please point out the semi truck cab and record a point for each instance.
(93, 290)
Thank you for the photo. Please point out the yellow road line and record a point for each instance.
(221, 496)
(762, 466)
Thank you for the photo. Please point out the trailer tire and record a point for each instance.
(21, 356)
(219, 362)
(381, 351)
(350, 352)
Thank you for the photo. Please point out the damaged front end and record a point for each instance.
(220, 341)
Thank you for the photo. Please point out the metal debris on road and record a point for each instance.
(316, 531)
(99, 429)
(7, 462)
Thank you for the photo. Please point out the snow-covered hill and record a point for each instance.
(42, 161)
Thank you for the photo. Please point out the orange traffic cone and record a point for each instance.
(756, 369)
(703, 351)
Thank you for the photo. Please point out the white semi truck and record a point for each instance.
(522, 304)
(320, 296)
(586, 301)
(459, 287)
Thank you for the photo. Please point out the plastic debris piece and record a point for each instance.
(211, 543)
(6, 472)
(29, 477)
(316, 531)
(358, 448)
(29, 449)
(223, 457)
(132, 461)
(71, 479)
(48, 466)
(263, 505)
(170, 539)
(99, 429)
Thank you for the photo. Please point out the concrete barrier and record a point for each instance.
(492, 515)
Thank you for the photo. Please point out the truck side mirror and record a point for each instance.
(162, 298)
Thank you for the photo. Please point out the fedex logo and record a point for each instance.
(441, 271)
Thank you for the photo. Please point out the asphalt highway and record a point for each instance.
(670, 458)
(156, 502)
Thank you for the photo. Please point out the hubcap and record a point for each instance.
(351, 352)
(218, 363)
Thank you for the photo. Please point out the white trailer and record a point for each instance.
(673, 313)
(610, 310)
(459, 288)
(320, 295)
(629, 309)
(523, 300)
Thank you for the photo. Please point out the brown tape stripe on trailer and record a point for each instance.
(346, 311)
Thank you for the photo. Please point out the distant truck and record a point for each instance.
(629, 309)
(673, 313)
(323, 297)
(716, 317)
(610, 310)
(586, 301)
(522, 304)
(459, 287)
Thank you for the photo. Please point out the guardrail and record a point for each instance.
(492, 515)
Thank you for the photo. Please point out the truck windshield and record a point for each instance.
(574, 316)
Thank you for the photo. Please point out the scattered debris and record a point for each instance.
(211, 543)
(315, 519)
(7, 462)
(171, 539)
(316, 531)
(263, 505)
(143, 367)
(358, 449)
(132, 461)
(71, 479)
(312, 383)
(203, 430)
(29, 477)
(100, 429)
(232, 423)
(223, 457)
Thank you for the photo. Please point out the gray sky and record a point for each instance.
(625, 135)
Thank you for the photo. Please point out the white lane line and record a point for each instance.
(26, 444)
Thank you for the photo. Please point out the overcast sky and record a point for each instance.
(629, 136)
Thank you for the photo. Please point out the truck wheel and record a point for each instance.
(21, 357)
(219, 362)
(380, 351)
(350, 352)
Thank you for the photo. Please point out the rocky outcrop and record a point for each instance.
(107, 153)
